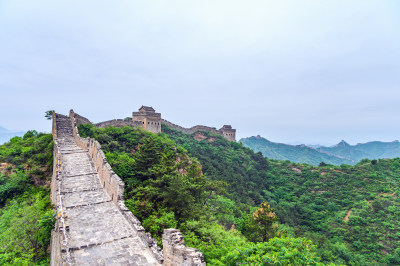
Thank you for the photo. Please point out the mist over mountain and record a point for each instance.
(369, 150)
(6, 134)
(341, 153)
(294, 153)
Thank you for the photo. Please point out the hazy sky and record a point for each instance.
(291, 71)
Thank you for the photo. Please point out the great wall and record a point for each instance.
(94, 227)
(149, 120)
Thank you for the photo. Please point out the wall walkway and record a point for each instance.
(94, 227)
(91, 229)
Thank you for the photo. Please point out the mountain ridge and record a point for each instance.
(341, 153)
(7, 134)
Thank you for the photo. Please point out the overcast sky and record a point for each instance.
(290, 71)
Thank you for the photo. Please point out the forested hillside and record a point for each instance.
(165, 187)
(233, 204)
(350, 212)
(26, 215)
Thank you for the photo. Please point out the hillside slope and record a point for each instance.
(293, 153)
(165, 187)
(26, 215)
(351, 212)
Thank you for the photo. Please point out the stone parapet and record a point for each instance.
(80, 119)
(175, 251)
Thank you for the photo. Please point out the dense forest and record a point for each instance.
(26, 215)
(334, 207)
(233, 204)
(165, 187)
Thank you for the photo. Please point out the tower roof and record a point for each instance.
(147, 109)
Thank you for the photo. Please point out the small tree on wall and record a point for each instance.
(49, 114)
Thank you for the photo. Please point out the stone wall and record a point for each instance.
(110, 123)
(226, 131)
(113, 185)
(110, 181)
(175, 251)
(115, 123)
(56, 235)
(80, 119)
(175, 126)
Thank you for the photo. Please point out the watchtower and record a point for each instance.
(228, 132)
(148, 119)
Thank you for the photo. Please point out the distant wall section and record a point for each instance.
(226, 131)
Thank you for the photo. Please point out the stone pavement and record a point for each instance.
(98, 233)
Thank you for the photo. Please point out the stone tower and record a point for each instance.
(228, 132)
(148, 119)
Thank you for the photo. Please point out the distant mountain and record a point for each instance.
(6, 135)
(294, 153)
(341, 153)
(370, 150)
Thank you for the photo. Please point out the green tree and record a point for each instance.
(277, 251)
(260, 226)
(25, 226)
(49, 114)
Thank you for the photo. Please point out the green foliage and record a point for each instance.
(164, 187)
(246, 172)
(32, 153)
(314, 201)
(13, 185)
(26, 217)
(277, 251)
(349, 212)
(158, 221)
(160, 178)
(49, 114)
(25, 229)
(260, 226)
